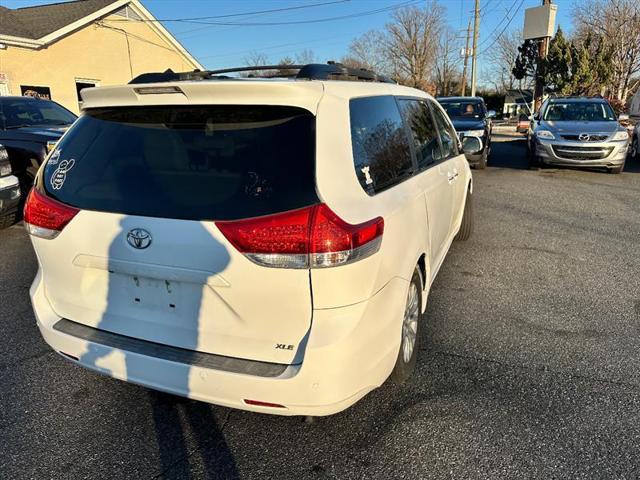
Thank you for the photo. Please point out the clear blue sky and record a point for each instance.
(219, 46)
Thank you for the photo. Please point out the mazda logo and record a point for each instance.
(584, 137)
(139, 238)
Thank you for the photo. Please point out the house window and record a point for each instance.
(82, 83)
(37, 92)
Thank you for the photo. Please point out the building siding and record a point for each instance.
(96, 52)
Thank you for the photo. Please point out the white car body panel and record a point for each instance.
(222, 302)
(194, 291)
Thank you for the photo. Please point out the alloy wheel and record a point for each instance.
(410, 323)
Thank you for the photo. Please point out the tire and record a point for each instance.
(466, 227)
(406, 361)
(482, 163)
(533, 160)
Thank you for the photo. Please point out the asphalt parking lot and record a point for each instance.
(530, 364)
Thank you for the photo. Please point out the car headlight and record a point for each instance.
(545, 135)
(620, 135)
(5, 166)
(474, 133)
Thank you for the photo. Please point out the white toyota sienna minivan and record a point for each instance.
(262, 244)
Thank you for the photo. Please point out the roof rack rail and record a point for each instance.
(311, 71)
(560, 96)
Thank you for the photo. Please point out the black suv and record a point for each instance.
(29, 128)
(471, 118)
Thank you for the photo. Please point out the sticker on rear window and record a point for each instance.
(367, 175)
(54, 158)
(60, 175)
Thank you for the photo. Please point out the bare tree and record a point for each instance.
(409, 42)
(367, 51)
(447, 77)
(256, 59)
(617, 22)
(305, 56)
(283, 71)
(501, 59)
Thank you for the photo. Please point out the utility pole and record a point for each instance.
(543, 48)
(463, 89)
(474, 61)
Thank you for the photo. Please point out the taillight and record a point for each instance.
(45, 217)
(310, 237)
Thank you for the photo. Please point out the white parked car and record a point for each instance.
(260, 244)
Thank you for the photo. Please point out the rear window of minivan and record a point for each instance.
(216, 162)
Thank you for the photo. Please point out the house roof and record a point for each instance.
(36, 27)
(37, 22)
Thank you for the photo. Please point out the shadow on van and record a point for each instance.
(178, 422)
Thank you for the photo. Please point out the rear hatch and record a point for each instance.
(144, 258)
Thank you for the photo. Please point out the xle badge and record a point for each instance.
(282, 346)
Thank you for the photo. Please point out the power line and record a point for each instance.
(259, 12)
(302, 22)
(486, 11)
(276, 47)
(504, 29)
(505, 17)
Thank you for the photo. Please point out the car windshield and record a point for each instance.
(579, 112)
(463, 109)
(20, 113)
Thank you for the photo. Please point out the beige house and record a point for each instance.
(56, 50)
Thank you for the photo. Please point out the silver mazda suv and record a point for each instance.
(578, 132)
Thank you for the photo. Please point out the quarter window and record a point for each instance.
(447, 134)
(424, 132)
(381, 149)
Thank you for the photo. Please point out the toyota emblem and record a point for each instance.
(139, 238)
(584, 137)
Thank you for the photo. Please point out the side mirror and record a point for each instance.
(491, 113)
(623, 117)
(471, 145)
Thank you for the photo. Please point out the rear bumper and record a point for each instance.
(9, 193)
(546, 154)
(350, 351)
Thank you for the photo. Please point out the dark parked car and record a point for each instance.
(29, 128)
(471, 118)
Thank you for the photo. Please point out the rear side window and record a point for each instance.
(448, 135)
(381, 149)
(424, 132)
(222, 162)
